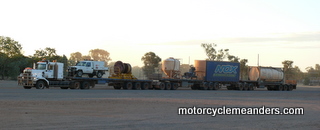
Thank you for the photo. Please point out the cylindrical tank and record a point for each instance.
(120, 67)
(170, 66)
(267, 74)
(200, 66)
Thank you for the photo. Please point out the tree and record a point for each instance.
(213, 54)
(10, 50)
(74, 57)
(100, 55)
(48, 53)
(288, 69)
(9, 46)
(151, 62)
(244, 69)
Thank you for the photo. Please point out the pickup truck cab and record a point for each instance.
(92, 68)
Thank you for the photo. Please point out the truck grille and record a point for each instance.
(25, 79)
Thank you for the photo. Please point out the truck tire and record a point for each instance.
(290, 88)
(211, 85)
(117, 87)
(99, 74)
(246, 87)
(75, 85)
(162, 86)
(285, 87)
(240, 86)
(85, 85)
(168, 86)
(251, 87)
(205, 86)
(40, 84)
(174, 86)
(280, 87)
(145, 86)
(215, 86)
(128, 85)
(79, 73)
(137, 86)
(26, 87)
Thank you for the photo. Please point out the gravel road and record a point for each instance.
(105, 108)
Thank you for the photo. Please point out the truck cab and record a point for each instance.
(39, 76)
(92, 68)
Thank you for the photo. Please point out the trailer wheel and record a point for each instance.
(215, 86)
(27, 87)
(174, 86)
(128, 85)
(168, 86)
(240, 87)
(99, 74)
(245, 87)
(40, 84)
(137, 86)
(193, 87)
(205, 86)
(285, 87)
(290, 88)
(75, 85)
(210, 86)
(162, 86)
(117, 86)
(280, 87)
(85, 85)
(145, 86)
(250, 87)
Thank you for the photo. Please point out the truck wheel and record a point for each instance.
(76, 85)
(79, 73)
(137, 86)
(290, 88)
(285, 87)
(246, 87)
(174, 86)
(250, 87)
(168, 86)
(215, 86)
(117, 87)
(205, 86)
(240, 87)
(194, 87)
(26, 87)
(99, 74)
(210, 85)
(162, 86)
(128, 85)
(145, 86)
(85, 85)
(280, 87)
(40, 85)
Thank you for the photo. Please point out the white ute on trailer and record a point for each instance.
(92, 68)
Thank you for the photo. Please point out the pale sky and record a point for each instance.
(277, 30)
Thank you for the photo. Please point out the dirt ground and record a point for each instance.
(105, 108)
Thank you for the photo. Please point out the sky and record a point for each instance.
(276, 30)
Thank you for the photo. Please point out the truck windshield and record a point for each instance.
(41, 66)
(81, 64)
